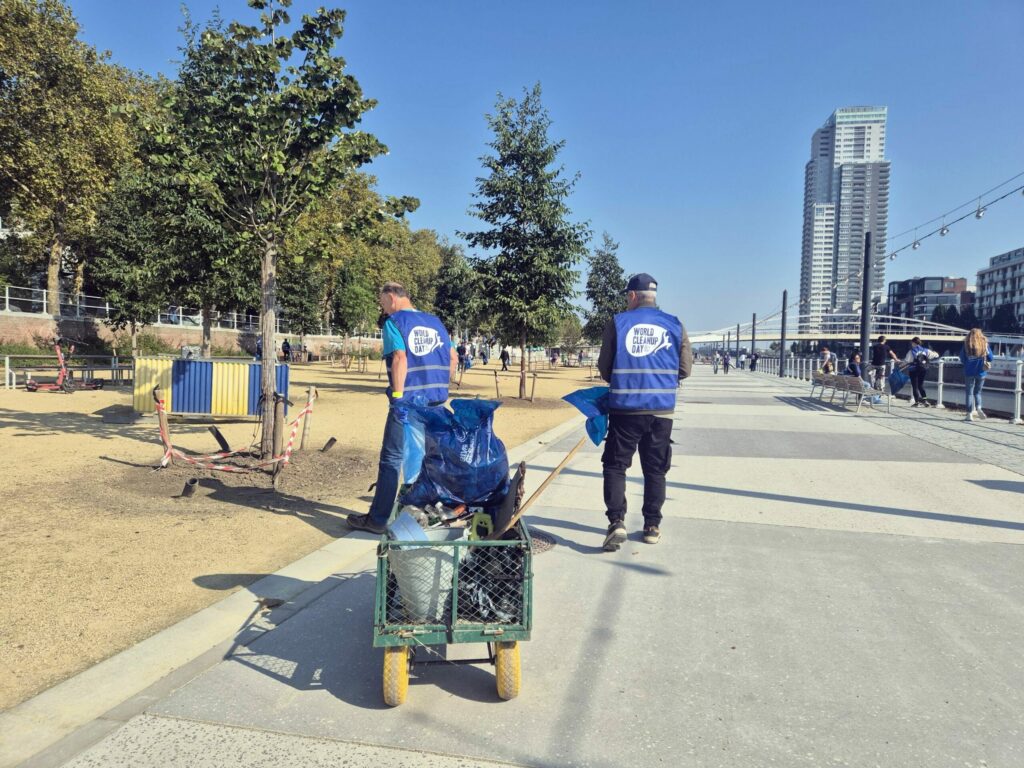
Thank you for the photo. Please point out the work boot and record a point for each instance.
(616, 535)
(364, 523)
(651, 534)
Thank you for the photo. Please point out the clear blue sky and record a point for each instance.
(689, 122)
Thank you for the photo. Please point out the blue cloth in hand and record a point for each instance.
(592, 403)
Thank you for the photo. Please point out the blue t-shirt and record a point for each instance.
(393, 340)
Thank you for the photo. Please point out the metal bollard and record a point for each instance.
(942, 374)
(1017, 394)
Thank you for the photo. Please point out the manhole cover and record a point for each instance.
(542, 542)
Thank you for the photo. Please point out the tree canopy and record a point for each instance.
(64, 135)
(531, 247)
(605, 285)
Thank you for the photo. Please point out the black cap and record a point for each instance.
(642, 282)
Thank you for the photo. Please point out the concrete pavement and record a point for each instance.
(828, 591)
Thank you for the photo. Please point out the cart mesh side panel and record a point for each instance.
(456, 585)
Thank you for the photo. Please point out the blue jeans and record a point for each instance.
(390, 467)
(972, 393)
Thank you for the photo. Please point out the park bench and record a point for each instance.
(848, 385)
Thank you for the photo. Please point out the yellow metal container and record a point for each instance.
(230, 388)
(149, 372)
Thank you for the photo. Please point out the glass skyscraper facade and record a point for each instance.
(846, 194)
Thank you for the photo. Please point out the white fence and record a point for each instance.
(33, 301)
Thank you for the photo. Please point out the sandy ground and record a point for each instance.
(96, 551)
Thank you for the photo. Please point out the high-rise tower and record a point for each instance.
(846, 193)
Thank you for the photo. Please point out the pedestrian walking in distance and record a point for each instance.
(977, 359)
(504, 357)
(917, 359)
(726, 362)
(420, 363)
(645, 353)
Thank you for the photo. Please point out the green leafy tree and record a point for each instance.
(968, 319)
(355, 302)
(570, 334)
(457, 299)
(939, 314)
(605, 285)
(262, 125)
(1004, 320)
(130, 265)
(64, 136)
(528, 279)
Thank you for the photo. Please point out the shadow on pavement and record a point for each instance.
(833, 503)
(1013, 486)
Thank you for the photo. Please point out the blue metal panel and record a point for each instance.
(192, 386)
(281, 384)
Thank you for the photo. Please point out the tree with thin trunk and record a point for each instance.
(605, 285)
(528, 279)
(262, 125)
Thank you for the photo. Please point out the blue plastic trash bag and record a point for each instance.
(413, 450)
(897, 380)
(592, 403)
(464, 462)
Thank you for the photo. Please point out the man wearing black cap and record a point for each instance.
(645, 353)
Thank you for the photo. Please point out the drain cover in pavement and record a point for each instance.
(542, 542)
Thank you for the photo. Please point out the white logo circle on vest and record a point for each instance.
(422, 340)
(644, 340)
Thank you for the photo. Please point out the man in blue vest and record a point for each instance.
(645, 353)
(420, 363)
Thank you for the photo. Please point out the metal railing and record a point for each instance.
(803, 368)
(23, 300)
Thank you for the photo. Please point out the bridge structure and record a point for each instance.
(843, 327)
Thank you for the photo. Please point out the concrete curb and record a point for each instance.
(53, 726)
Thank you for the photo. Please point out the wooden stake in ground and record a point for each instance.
(306, 419)
(278, 436)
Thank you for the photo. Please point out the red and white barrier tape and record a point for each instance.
(203, 462)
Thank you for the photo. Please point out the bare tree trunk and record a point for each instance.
(522, 366)
(53, 276)
(268, 317)
(207, 331)
(135, 339)
(79, 277)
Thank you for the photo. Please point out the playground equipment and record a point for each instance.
(65, 377)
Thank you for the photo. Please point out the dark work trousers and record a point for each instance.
(390, 467)
(626, 433)
(917, 382)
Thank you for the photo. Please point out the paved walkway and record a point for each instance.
(828, 591)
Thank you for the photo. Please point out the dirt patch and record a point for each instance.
(97, 551)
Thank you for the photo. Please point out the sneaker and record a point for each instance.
(364, 523)
(916, 405)
(651, 534)
(616, 535)
(980, 414)
(969, 417)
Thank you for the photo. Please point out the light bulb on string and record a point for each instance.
(944, 231)
(915, 246)
(892, 257)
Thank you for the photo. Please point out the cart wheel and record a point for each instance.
(396, 674)
(506, 669)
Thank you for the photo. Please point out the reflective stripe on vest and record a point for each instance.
(427, 352)
(645, 373)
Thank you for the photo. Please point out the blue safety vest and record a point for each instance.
(428, 353)
(645, 372)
